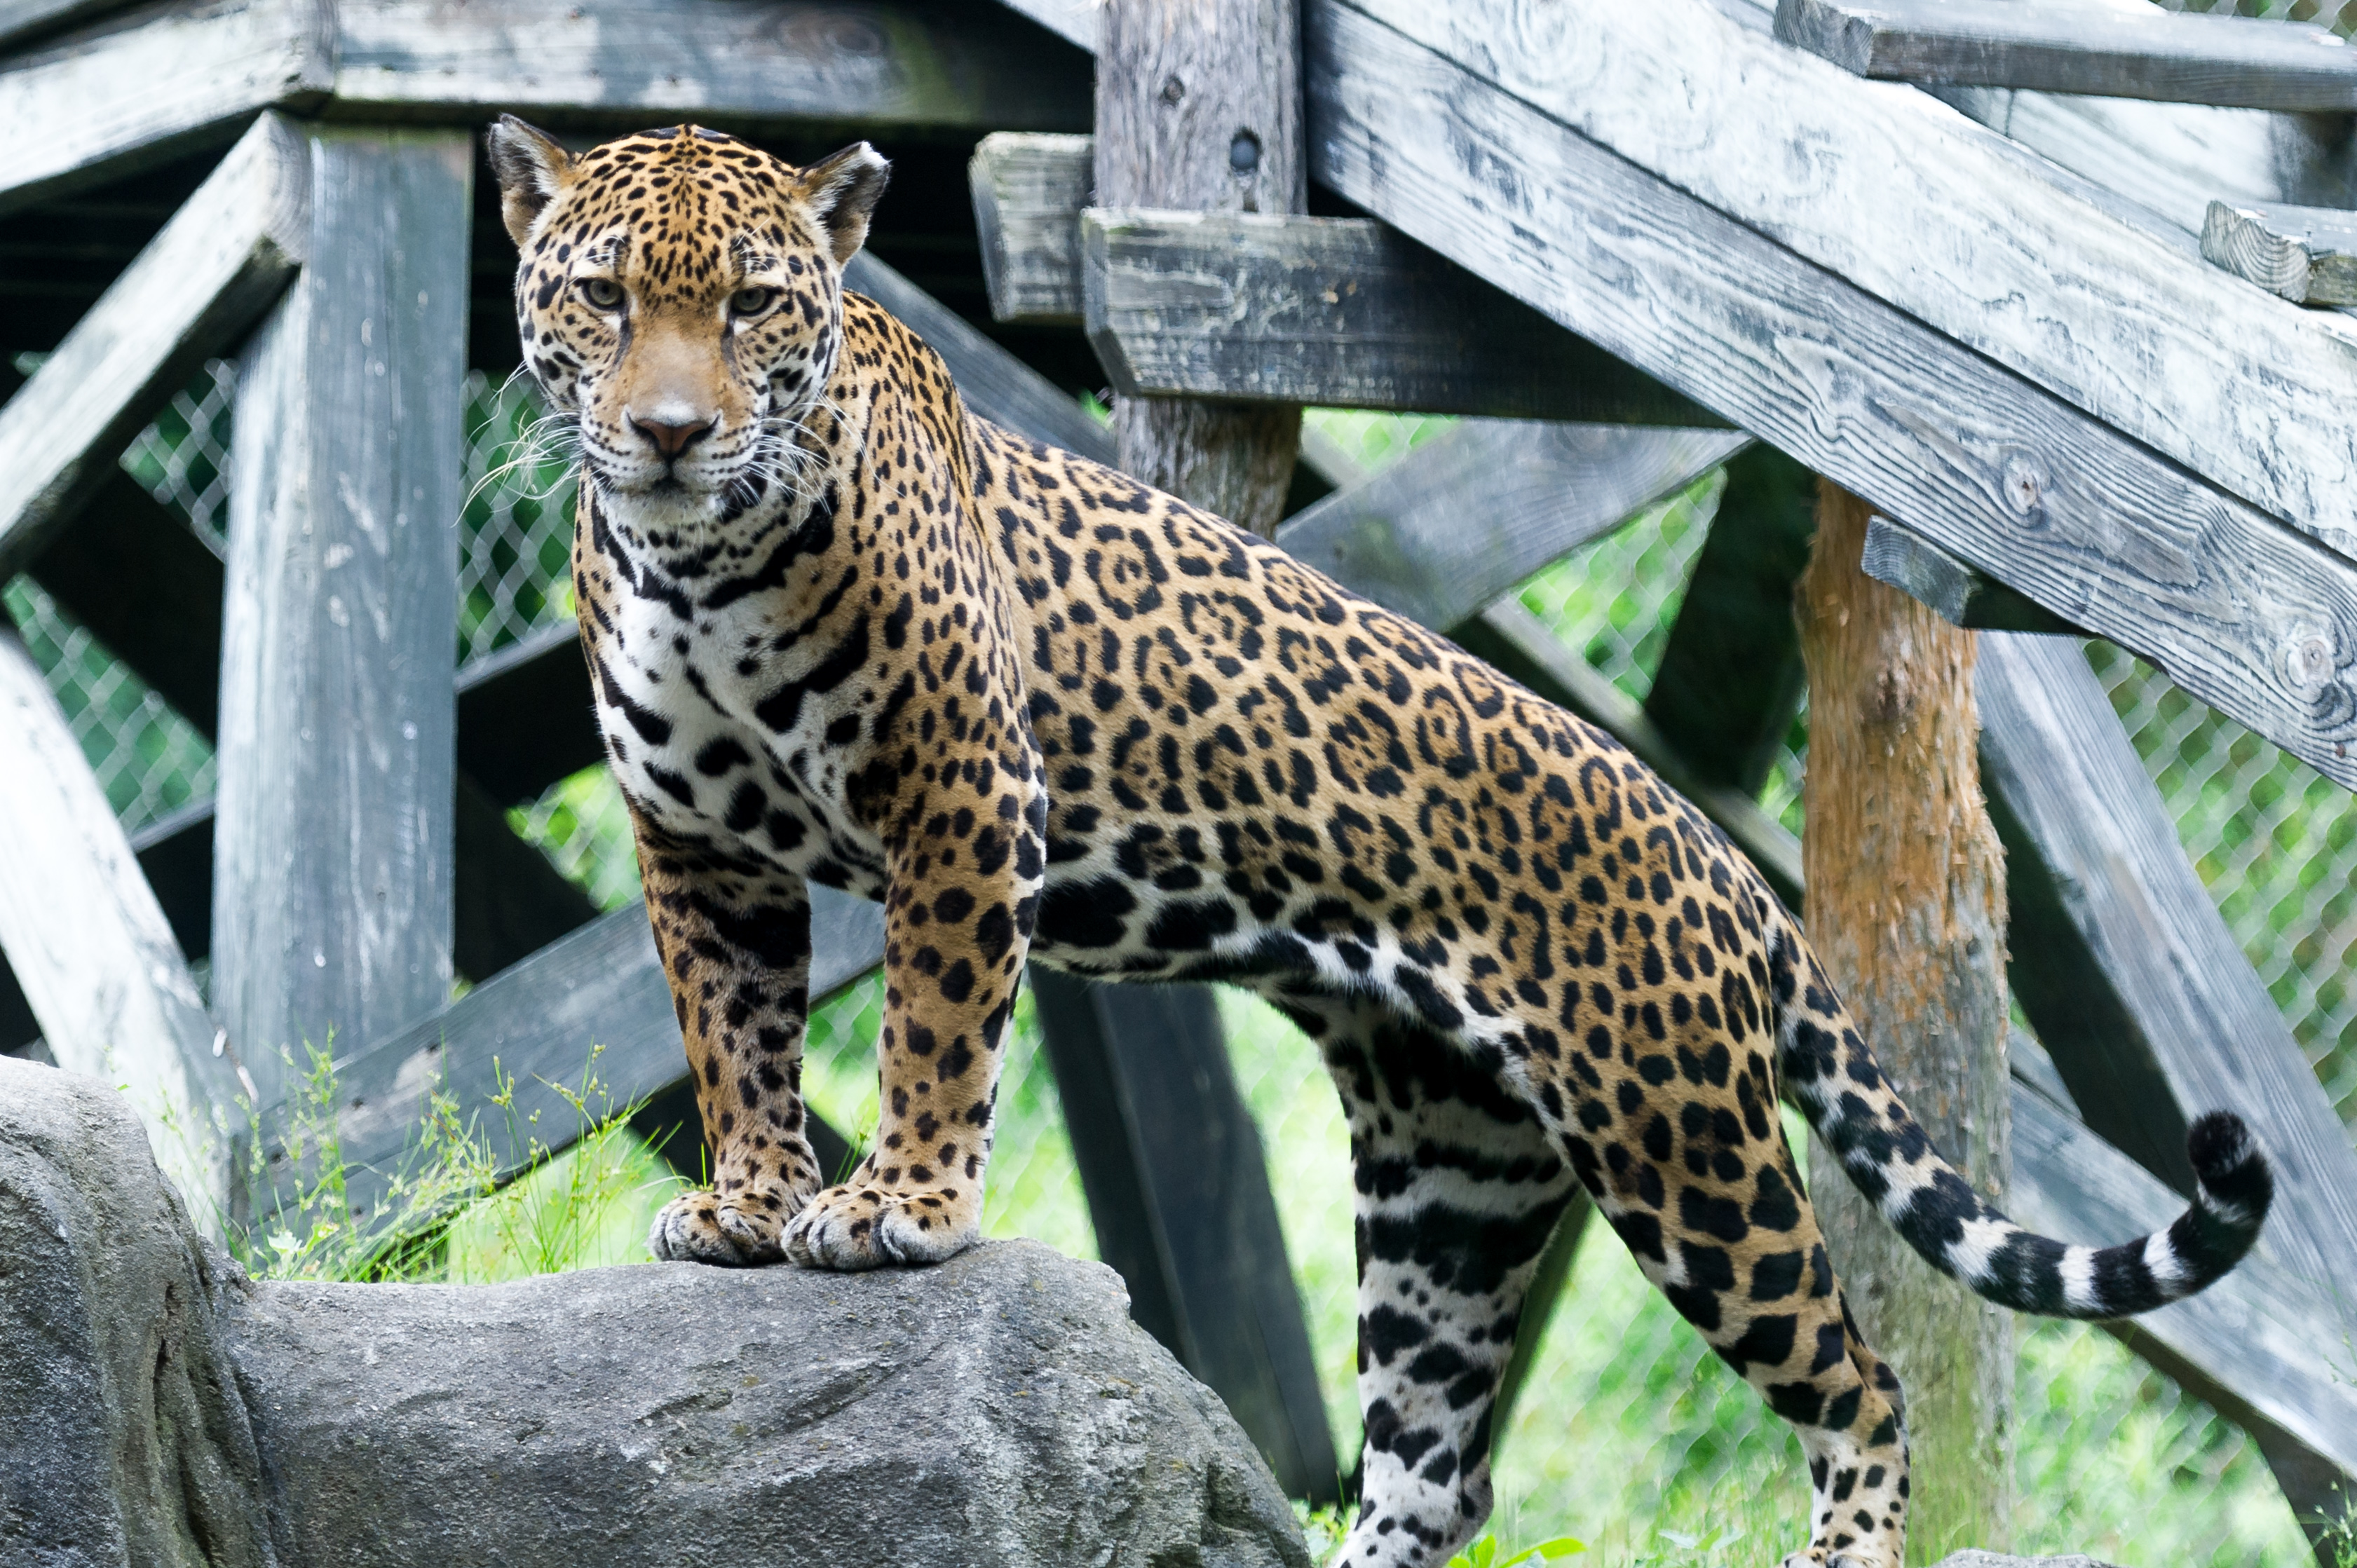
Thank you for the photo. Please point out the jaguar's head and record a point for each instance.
(680, 294)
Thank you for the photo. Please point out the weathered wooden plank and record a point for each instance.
(2016, 481)
(534, 1025)
(1177, 1186)
(2256, 1346)
(1962, 596)
(749, 67)
(1075, 21)
(2174, 57)
(526, 715)
(152, 83)
(1518, 644)
(1443, 532)
(1916, 206)
(91, 947)
(332, 884)
(993, 383)
(1029, 188)
(2126, 969)
(211, 272)
(1339, 312)
(2308, 254)
(22, 19)
(1731, 679)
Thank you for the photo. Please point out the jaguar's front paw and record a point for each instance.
(851, 1227)
(740, 1231)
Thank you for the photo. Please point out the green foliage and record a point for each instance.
(454, 1209)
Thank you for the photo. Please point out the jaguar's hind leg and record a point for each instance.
(1718, 1221)
(1458, 1188)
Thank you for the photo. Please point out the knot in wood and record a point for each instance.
(2024, 481)
(2308, 661)
(1892, 700)
(1173, 90)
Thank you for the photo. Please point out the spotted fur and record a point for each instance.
(843, 632)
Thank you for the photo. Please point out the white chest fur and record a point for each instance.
(737, 726)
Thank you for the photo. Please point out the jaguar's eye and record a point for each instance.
(603, 294)
(751, 301)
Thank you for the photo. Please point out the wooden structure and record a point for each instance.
(2067, 418)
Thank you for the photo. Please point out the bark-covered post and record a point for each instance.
(1199, 108)
(1906, 909)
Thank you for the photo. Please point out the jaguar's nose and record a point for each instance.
(671, 438)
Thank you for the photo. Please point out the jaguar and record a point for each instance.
(843, 632)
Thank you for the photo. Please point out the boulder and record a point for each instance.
(1001, 1408)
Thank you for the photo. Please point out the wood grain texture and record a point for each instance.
(1729, 681)
(23, 19)
(332, 887)
(993, 383)
(214, 268)
(1919, 207)
(1029, 188)
(1199, 108)
(1907, 914)
(151, 84)
(2247, 614)
(2111, 51)
(2251, 1345)
(2139, 943)
(1339, 312)
(91, 947)
(750, 67)
(1445, 531)
(2307, 255)
(1950, 589)
(1177, 1188)
(1074, 21)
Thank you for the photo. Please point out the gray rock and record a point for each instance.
(122, 1438)
(999, 1409)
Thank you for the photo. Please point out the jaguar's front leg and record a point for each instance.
(963, 886)
(736, 947)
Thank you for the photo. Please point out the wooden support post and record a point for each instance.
(1906, 910)
(93, 952)
(332, 893)
(1731, 675)
(1178, 1189)
(1199, 108)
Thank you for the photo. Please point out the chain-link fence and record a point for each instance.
(1629, 1434)
(2341, 15)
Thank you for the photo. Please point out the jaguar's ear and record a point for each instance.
(842, 189)
(532, 169)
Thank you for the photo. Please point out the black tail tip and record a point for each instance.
(2227, 1159)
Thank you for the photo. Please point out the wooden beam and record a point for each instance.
(2131, 978)
(1896, 195)
(90, 946)
(1339, 312)
(1415, 540)
(23, 19)
(1074, 21)
(199, 285)
(142, 88)
(768, 64)
(2254, 1346)
(1029, 188)
(1731, 677)
(333, 849)
(1962, 596)
(2307, 255)
(1188, 1219)
(2014, 480)
(146, 86)
(2174, 57)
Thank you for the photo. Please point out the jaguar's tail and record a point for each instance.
(1841, 1089)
